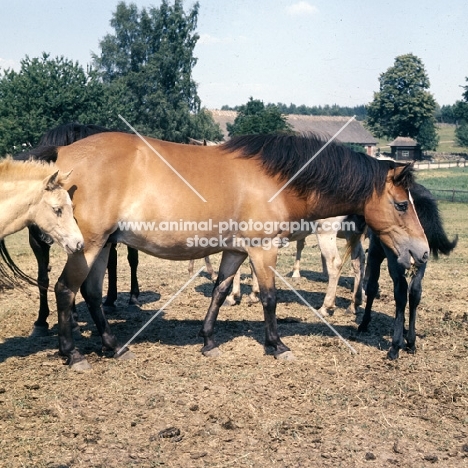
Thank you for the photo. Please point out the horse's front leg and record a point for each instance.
(41, 252)
(111, 277)
(264, 265)
(358, 260)
(400, 292)
(300, 244)
(415, 293)
(230, 263)
(132, 258)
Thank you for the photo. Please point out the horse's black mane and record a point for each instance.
(63, 135)
(431, 221)
(336, 169)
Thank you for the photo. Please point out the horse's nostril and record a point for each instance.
(426, 256)
(79, 246)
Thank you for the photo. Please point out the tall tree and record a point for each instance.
(44, 93)
(149, 61)
(460, 110)
(254, 118)
(403, 106)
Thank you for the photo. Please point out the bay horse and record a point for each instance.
(137, 179)
(431, 221)
(32, 193)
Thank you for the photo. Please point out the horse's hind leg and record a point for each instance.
(230, 263)
(209, 268)
(234, 297)
(329, 250)
(92, 292)
(41, 252)
(415, 293)
(300, 244)
(132, 257)
(358, 260)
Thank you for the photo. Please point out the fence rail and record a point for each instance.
(440, 164)
(452, 195)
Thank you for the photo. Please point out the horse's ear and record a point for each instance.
(64, 176)
(51, 182)
(404, 176)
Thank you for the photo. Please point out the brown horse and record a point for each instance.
(32, 193)
(224, 193)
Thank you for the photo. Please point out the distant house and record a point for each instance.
(325, 126)
(404, 149)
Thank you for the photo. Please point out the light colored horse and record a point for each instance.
(351, 228)
(32, 193)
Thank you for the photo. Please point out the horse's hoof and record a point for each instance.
(351, 310)
(411, 349)
(80, 366)
(253, 298)
(230, 301)
(392, 355)
(296, 274)
(362, 328)
(212, 353)
(125, 356)
(324, 312)
(134, 301)
(286, 356)
(39, 332)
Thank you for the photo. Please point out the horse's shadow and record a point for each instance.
(125, 321)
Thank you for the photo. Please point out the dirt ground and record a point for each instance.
(328, 408)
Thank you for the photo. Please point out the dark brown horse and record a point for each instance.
(231, 185)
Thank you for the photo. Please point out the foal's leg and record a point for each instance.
(300, 244)
(230, 263)
(375, 257)
(327, 244)
(41, 252)
(400, 293)
(111, 277)
(358, 264)
(209, 268)
(132, 257)
(415, 293)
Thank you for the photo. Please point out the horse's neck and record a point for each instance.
(18, 201)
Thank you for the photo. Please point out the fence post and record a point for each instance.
(453, 195)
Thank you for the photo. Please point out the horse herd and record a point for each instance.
(277, 180)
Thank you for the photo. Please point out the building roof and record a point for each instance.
(325, 126)
(404, 141)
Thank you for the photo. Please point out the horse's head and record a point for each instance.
(392, 216)
(54, 214)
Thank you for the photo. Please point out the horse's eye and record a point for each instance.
(57, 211)
(402, 206)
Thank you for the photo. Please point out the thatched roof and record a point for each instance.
(323, 125)
(404, 141)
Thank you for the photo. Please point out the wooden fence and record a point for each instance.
(452, 195)
(440, 164)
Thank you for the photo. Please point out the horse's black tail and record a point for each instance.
(431, 221)
(10, 273)
(41, 153)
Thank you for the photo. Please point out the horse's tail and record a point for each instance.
(41, 153)
(10, 273)
(431, 221)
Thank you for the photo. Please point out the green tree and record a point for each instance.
(42, 94)
(148, 60)
(403, 106)
(254, 118)
(460, 110)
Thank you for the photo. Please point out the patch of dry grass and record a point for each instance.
(327, 408)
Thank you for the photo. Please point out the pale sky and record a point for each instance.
(311, 52)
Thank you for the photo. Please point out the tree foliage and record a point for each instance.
(148, 60)
(460, 110)
(255, 118)
(403, 106)
(44, 93)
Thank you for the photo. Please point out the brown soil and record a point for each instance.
(170, 406)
